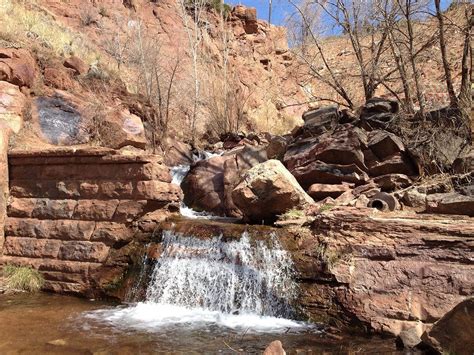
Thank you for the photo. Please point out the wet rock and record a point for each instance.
(12, 105)
(274, 348)
(454, 332)
(321, 191)
(450, 203)
(121, 128)
(77, 65)
(203, 186)
(209, 184)
(17, 66)
(392, 182)
(268, 190)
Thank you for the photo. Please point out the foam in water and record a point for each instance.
(239, 284)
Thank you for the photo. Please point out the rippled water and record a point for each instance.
(54, 324)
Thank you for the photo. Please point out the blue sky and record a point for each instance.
(281, 8)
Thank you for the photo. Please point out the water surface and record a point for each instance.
(54, 324)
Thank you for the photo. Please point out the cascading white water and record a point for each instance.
(239, 284)
(230, 277)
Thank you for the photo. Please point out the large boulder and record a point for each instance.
(17, 66)
(61, 119)
(203, 186)
(454, 332)
(208, 185)
(121, 128)
(268, 190)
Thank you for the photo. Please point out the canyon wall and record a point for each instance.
(69, 210)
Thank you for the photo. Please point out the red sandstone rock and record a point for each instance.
(12, 104)
(57, 78)
(395, 164)
(76, 64)
(111, 233)
(17, 66)
(120, 128)
(83, 251)
(454, 332)
(321, 191)
(95, 210)
(392, 272)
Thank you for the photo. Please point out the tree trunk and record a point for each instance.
(447, 68)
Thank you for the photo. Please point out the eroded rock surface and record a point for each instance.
(391, 272)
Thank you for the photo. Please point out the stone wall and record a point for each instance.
(69, 210)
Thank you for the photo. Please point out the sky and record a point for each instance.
(281, 8)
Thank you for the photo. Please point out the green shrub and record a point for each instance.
(23, 278)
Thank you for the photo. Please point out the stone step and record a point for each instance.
(85, 210)
(129, 171)
(55, 249)
(96, 189)
(108, 233)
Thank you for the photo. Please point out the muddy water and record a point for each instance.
(53, 324)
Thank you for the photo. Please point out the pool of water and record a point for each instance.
(54, 324)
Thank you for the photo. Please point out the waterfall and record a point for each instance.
(241, 284)
(229, 277)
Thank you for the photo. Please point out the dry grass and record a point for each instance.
(22, 278)
(24, 22)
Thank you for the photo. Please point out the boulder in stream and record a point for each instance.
(268, 190)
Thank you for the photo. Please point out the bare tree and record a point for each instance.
(157, 78)
(309, 59)
(447, 68)
(193, 16)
